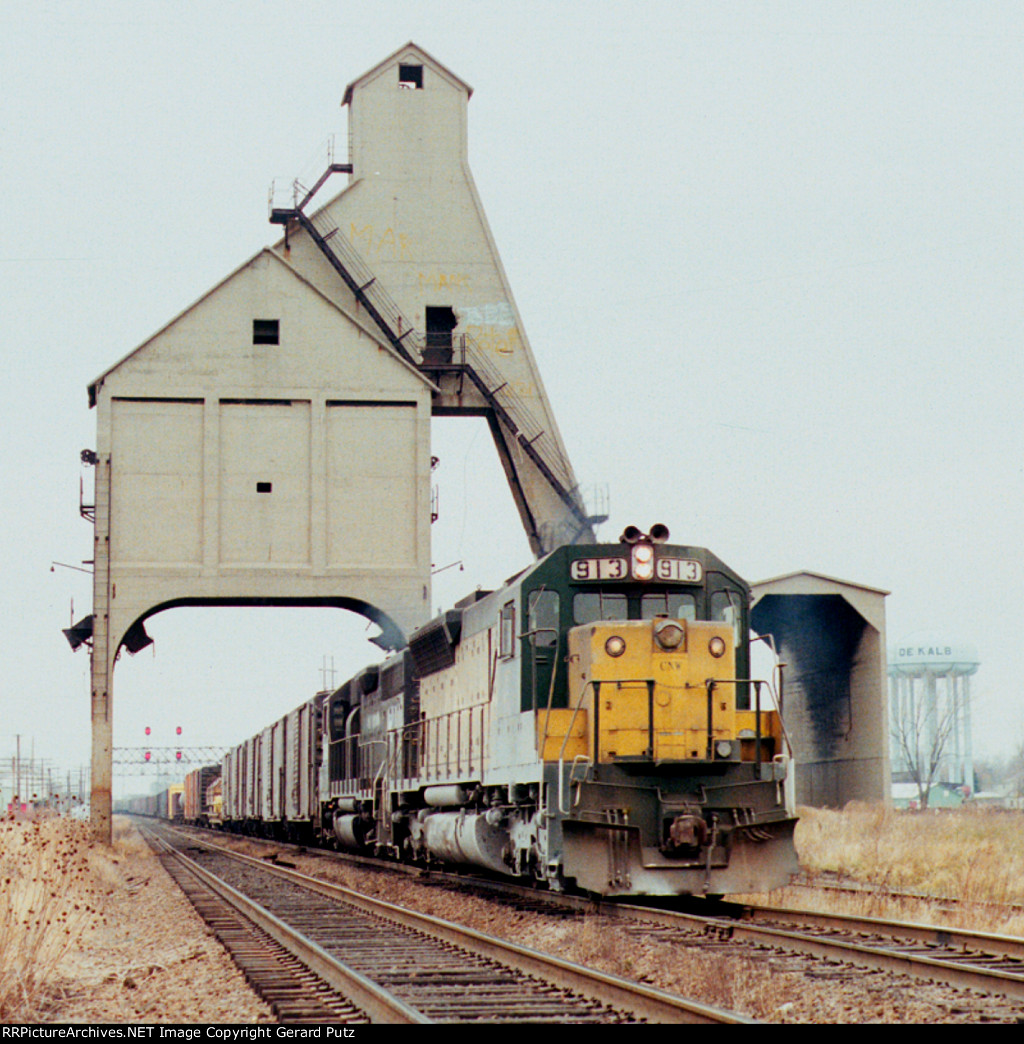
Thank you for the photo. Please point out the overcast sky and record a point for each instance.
(768, 255)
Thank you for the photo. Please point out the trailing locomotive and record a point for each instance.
(590, 725)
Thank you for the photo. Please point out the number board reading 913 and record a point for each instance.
(686, 570)
(599, 569)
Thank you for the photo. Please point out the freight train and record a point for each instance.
(167, 804)
(592, 725)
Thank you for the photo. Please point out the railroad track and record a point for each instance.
(827, 882)
(991, 964)
(963, 959)
(292, 991)
(377, 962)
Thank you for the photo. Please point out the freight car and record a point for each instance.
(270, 782)
(197, 801)
(591, 725)
(167, 804)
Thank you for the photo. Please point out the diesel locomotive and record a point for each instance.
(591, 725)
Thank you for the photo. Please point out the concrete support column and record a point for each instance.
(101, 669)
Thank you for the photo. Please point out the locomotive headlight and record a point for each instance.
(668, 634)
(615, 646)
(723, 748)
(643, 561)
(717, 646)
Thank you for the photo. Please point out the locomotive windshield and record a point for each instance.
(582, 586)
(590, 606)
(679, 605)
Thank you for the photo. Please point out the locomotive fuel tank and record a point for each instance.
(463, 838)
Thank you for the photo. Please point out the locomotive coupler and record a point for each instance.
(687, 834)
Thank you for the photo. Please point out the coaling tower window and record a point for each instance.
(410, 77)
(266, 331)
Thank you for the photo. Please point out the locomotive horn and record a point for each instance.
(630, 535)
(659, 533)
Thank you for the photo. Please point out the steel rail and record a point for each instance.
(378, 1004)
(646, 1002)
(960, 969)
(868, 890)
(910, 931)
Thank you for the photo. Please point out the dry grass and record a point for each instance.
(53, 886)
(975, 856)
(692, 969)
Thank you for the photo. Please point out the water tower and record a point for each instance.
(930, 707)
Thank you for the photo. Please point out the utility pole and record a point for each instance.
(324, 672)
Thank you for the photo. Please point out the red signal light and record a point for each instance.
(178, 731)
(148, 730)
(177, 756)
(147, 755)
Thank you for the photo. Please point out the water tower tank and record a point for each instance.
(928, 653)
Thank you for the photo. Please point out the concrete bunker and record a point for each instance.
(830, 636)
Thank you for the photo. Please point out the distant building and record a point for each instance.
(940, 795)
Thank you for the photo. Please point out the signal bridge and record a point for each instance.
(140, 759)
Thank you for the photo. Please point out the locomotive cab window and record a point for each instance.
(591, 606)
(507, 637)
(726, 606)
(338, 712)
(676, 605)
(543, 619)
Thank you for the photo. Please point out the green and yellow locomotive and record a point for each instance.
(592, 725)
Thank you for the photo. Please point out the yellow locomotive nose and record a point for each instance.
(656, 690)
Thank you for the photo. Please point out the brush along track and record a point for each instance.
(439, 971)
(827, 881)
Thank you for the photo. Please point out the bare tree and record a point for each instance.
(922, 726)
(1014, 775)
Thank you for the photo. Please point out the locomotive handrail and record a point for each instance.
(758, 682)
(533, 679)
(572, 720)
(577, 759)
(565, 740)
(432, 766)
